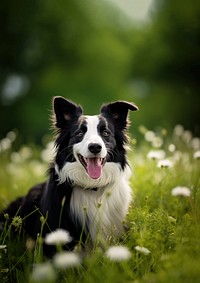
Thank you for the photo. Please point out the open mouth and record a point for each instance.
(93, 165)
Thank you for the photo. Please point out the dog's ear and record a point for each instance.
(65, 111)
(118, 112)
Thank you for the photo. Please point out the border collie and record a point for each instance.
(88, 192)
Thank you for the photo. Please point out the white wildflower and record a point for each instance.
(195, 143)
(157, 142)
(66, 259)
(149, 136)
(178, 130)
(48, 153)
(37, 167)
(177, 156)
(5, 144)
(181, 191)
(118, 253)
(172, 147)
(25, 152)
(16, 157)
(58, 237)
(30, 244)
(164, 163)
(142, 250)
(172, 219)
(142, 129)
(43, 272)
(156, 154)
(11, 136)
(2, 247)
(187, 136)
(197, 155)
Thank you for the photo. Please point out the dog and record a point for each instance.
(88, 192)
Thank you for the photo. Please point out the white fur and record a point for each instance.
(100, 211)
(103, 211)
(75, 170)
(91, 136)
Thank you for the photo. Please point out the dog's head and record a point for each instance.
(91, 141)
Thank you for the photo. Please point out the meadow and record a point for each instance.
(161, 242)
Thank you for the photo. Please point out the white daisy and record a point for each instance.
(118, 253)
(149, 136)
(181, 191)
(164, 163)
(172, 147)
(48, 153)
(66, 259)
(156, 154)
(172, 219)
(178, 130)
(2, 247)
(195, 143)
(43, 272)
(197, 154)
(58, 237)
(142, 250)
(157, 142)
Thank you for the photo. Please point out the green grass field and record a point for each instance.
(162, 242)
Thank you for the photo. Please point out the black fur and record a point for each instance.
(50, 198)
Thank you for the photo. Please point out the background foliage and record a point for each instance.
(90, 52)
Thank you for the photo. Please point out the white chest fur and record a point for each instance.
(101, 212)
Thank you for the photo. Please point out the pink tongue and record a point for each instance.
(94, 167)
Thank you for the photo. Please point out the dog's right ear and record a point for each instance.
(65, 111)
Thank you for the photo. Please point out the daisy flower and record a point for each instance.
(164, 163)
(149, 136)
(142, 250)
(43, 272)
(195, 143)
(66, 259)
(58, 237)
(178, 130)
(48, 153)
(3, 247)
(157, 142)
(197, 155)
(172, 147)
(118, 253)
(181, 191)
(156, 154)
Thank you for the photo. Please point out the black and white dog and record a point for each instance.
(88, 190)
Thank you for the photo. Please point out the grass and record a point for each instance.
(163, 235)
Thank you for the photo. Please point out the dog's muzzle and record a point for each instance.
(92, 165)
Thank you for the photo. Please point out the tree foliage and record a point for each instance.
(89, 52)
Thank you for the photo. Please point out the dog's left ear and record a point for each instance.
(118, 112)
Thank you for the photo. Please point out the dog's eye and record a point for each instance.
(79, 134)
(105, 133)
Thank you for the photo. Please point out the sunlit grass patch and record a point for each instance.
(161, 239)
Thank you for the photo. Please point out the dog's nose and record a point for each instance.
(94, 148)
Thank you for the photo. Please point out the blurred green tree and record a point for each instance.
(62, 47)
(166, 56)
(88, 51)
